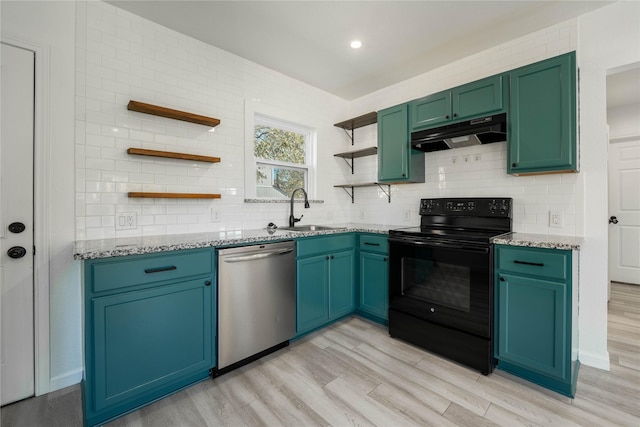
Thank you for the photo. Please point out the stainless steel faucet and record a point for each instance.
(293, 219)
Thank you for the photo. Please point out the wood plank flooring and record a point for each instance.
(354, 374)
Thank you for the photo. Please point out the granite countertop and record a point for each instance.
(547, 241)
(104, 248)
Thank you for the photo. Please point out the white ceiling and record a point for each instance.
(309, 40)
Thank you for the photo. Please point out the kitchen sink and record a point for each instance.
(302, 228)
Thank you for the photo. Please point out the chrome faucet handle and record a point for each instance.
(297, 219)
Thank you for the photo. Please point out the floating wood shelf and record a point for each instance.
(174, 195)
(172, 155)
(358, 122)
(155, 110)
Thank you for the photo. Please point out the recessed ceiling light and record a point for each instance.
(356, 44)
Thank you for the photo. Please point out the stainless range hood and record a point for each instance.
(484, 130)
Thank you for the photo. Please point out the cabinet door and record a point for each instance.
(478, 98)
(374, 284)
(533, 324)
(342, 299)
(430, 111)
(311, 296)
(542, 117)
(393, 144)
(144, 340)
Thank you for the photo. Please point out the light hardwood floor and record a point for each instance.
(353, 373)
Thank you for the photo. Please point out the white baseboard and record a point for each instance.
(65, 380)
(600, 360)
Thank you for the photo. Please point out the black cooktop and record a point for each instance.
(469, 219)
(425, 233)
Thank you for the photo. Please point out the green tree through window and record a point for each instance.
(281, 161)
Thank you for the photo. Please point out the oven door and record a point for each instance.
(447, 283)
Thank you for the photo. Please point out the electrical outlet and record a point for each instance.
(126, 221)
(361, 214)
(329, 215)
(466, 159)
(454, 159)
(555, 219)
(477, 157)
(406, 215)
(215, 215)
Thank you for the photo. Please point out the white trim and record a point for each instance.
(67, 379)
(42, 205)
(600, 361)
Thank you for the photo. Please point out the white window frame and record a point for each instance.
(257, 112)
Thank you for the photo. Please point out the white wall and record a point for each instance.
(50, 25)
(123, 57)
(623, 121)
(609, 38)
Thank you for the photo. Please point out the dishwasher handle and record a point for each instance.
(257, 256)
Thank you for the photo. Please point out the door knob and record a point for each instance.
(16, 252)
(613, 220)
(16, 227)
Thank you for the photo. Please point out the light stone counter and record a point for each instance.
(546, 241)
(123, 246)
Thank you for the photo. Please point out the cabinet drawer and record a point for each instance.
(537, 262)
(140, 270)
(325, 244)
(371, 243)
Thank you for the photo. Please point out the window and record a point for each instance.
(283, 154)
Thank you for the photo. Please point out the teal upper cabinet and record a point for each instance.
(431, 110)
(479, 98)
(397, 162)
(542, 117)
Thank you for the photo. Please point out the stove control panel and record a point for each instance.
(480, 207)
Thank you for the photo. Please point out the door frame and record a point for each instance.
(41, 198)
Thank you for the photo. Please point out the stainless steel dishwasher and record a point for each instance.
(256, 301)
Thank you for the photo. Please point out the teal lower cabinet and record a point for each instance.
(373, 301)
(535, 310)
(150, 333)
(325, 280)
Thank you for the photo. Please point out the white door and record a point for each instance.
(16, 207)
(624, 211)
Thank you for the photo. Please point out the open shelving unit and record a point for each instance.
(155, 110)
(349, 126)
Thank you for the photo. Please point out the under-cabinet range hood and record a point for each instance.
(484, 130)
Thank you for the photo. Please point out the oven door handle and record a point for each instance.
(436, 244)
